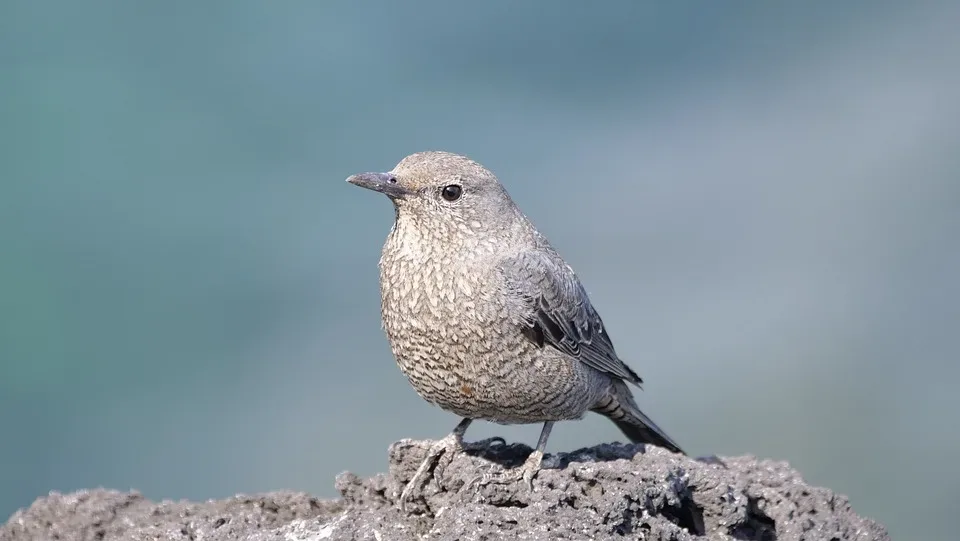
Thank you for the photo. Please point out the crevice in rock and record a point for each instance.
(758, 526)
(517, 504)
(686, 515)
(626, 525)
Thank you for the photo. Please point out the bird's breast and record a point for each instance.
(442, 314)
(446, 298)
(453, 336)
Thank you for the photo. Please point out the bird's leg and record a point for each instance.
(526, 472)
(450, 445)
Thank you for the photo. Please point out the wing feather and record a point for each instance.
(558, 313)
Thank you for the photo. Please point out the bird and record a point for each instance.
(486, 319)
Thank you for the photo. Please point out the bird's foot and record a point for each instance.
(439, 456)
(449, 446)
(483, 444)
(447, 458)
(524, 473)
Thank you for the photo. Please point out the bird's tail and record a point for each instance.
(620, 408)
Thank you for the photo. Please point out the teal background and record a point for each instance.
(762, 199)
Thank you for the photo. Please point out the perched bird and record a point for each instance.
(486, 319)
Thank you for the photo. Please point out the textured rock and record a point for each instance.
(603, 492)
(108, 515)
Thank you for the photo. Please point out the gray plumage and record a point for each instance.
(484, 317)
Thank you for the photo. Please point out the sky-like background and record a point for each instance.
(762, 199)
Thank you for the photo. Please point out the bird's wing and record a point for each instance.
(557, 312)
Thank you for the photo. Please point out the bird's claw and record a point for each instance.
(483, 444)
(441, 467)
(450, 446)
(524, 473)
(528, 478)
(447, 458)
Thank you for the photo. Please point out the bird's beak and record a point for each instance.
(385, 183)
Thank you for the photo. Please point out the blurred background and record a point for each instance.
(763, 200)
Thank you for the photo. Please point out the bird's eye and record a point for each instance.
(451, 192)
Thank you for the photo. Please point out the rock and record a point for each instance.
(604, 492)
(109, 515)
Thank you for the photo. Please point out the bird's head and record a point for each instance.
(445, 192)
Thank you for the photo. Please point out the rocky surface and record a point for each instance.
(605, 492)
